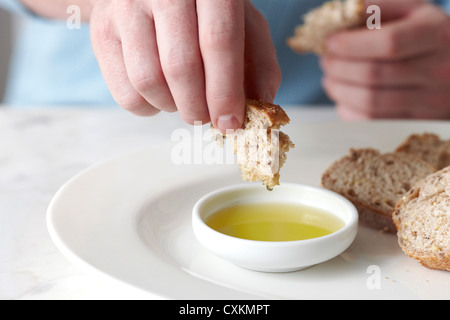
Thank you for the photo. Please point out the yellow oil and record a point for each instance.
(274, 222)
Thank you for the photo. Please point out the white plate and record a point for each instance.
(130, 218)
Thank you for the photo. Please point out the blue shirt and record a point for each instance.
(55, 65)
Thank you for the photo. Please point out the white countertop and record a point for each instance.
(40, 149)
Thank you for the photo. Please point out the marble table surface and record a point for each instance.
(42, 148)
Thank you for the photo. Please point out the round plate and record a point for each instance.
(130, 218)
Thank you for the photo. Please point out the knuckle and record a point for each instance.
(373, 73)
(132, 102)
(438, 100)
(369, 113)
(369, 103)
(219, 37)
(127, 3)
(102, 31)
(143, 81)
(178, 64)
(392, 45)
(385, 73)
(222, 100)
(200, 119)
(440, 72)
(163, 5)
(123, 4)
(399, 100)
(402, 70)
(193, 115)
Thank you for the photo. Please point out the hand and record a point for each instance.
(399, 71)
(198, 57)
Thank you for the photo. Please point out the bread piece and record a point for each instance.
(422, 218)
(374, 182)
(429, 147)
(260, 146)
(331, 17)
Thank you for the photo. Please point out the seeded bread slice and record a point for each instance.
(422, 218)
(259, 145)
(374, 182)
(429, 147)
(331, 17)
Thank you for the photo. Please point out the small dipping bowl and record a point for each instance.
(275, 256)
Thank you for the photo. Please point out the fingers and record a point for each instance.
(427, 70)
(399, 71)
(375, 103)
(180, 57)
(108, 50)
(221, 28)
(198, 57)
(419, 32)
(142, 59)
(362, 102)
(377, 73)
(262, 72)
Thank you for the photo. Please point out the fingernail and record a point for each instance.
(227, 121)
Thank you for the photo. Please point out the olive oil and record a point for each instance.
(274, 222)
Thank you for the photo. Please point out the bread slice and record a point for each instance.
(422, 218)
(331, 17)
(429, 147)
(374, 182)
(259, 145)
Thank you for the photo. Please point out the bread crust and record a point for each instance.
(374, 219)
(276, 115)
(367, 178)
(420, 216)
(430, 147)
(422, 219)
